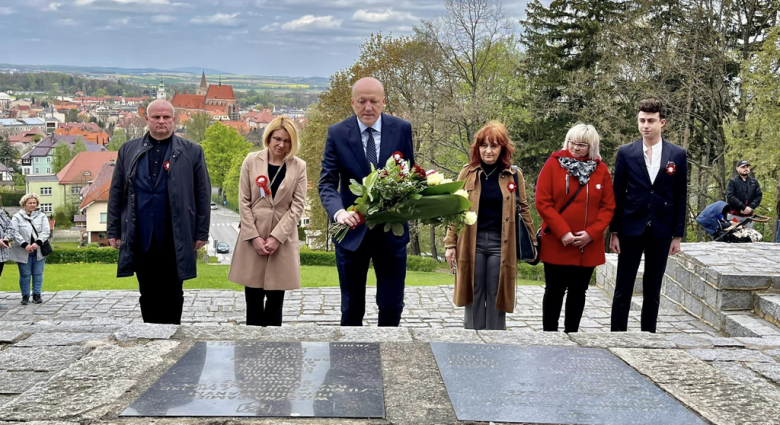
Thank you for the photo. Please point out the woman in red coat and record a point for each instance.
(573, 240)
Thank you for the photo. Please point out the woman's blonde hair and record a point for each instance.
(584, 133)
(283, 123)
(29, 196)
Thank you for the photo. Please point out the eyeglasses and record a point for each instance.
(573, 144)
(279, 140)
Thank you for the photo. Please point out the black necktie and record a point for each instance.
(371, 148)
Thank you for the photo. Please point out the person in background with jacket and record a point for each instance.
(266, 259)
(573, 240)
(485, 252)
(30, 229)
(159, 213)
(743, 194)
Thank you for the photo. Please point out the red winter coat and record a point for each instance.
(591, 211)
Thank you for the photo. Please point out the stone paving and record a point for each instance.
(426, 307)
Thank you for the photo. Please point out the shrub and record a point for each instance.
(84, 255)
(318, 258)
(529, 272)
(421, 264)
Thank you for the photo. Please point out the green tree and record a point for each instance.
(62, 156)
(9, 156)
(117, 140)
(195, 129)
(79, 146)
(72, 115)
(221, 145)
(232, 179)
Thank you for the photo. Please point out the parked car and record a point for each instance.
(223, 248)
(214, 207)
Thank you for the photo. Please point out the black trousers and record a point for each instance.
(162, 297)
(656, 252)
(259, 315)
(390, 269)
(560, 280)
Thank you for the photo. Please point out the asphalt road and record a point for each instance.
(224, 223)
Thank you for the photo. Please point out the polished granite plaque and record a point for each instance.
(306, 379)
(552, 385)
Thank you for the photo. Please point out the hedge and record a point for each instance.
(308, 258)
(83, 255)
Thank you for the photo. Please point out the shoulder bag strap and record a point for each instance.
(567, 204)
(33, 227)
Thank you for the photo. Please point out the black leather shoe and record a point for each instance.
(37, 298)
(25, 299)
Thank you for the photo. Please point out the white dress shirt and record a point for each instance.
(655, 165)
(377, 131)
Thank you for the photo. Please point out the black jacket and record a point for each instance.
(741, 194)
(189, 194)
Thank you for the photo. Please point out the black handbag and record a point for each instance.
(540, 232)
(526, 250)
(45, 248)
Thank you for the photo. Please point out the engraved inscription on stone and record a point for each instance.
(314, 379)
(589, 386)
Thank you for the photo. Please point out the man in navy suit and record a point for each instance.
(651, 190)
(368, 137)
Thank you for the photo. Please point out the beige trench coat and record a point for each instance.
(266, 217)
(466, 243)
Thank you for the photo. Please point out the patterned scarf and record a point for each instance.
(579, 169)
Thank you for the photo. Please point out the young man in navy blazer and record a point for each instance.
(651, 190)
(368, 137)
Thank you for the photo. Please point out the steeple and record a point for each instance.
(220, 81)
(203, 87)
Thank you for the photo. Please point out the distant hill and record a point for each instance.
(196, 70)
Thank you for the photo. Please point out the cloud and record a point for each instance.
(67, 22)
(122, 21)
(84, 2)
(6, 11)
(222, 19)
(310, 22)
(387, 15)
(163, 19)
(53, 7)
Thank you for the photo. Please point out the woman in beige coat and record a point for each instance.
(271, 197)
(485, 251)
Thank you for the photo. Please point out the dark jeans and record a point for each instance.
(482, 313)
(656, 254)
(560, 280)
(390, 269)
(259, 315)
(162, 297)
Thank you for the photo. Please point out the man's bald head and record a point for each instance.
(368, 100)
(159, 119)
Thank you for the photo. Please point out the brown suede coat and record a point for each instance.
(466, 242)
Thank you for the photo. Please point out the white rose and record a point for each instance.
(471, 218)
(434, 179)
(463, 193)
(445, 181)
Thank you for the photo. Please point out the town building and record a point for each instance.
(39, 159)
(94, 205)
(217, 100)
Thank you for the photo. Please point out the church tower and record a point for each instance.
(203, 88)
(161, 90)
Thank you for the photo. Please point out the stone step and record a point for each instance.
(767, 307)
(748, 325)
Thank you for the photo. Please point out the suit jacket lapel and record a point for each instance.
(666, 152)
(290, 174)
(356, 143)
(640, 160)
(388, 140)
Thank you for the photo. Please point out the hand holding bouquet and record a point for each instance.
(397, 193)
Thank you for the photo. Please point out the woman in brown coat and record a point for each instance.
(485, 252)
(271, 197)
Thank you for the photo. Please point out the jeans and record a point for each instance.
(482, 313)
(778, 232)
(33, 268)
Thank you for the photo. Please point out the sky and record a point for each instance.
(296, 38)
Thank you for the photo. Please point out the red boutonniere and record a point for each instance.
(398, 156)
(671, 168)
(511, 186)
(262, 183)
(167, 165)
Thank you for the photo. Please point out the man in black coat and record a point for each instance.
(651, 190)
(743, 193)
(158, 213)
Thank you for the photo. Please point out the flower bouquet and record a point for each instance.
(397, 193)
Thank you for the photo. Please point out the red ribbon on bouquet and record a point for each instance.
(262, 183)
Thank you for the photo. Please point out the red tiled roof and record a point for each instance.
(187, 101)
(220, 92)
(241, 126)
(84, 162)
(27, 108)
(265, 116)
(100, 187)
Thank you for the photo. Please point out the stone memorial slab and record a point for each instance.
(269, 379)
(516, 384)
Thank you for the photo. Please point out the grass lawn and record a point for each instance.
(65, 245)
(60, 277)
